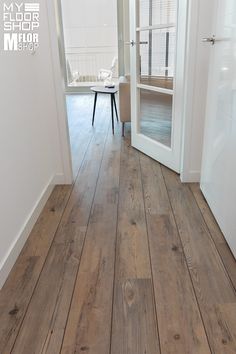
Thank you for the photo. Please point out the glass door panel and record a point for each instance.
(156, 116)
(156, 52)
(157, 57)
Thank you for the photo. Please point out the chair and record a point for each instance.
(124, 101)
(107, 74)
(72, 77)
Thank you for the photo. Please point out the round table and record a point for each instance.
(106, 91)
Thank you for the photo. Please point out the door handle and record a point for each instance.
(209, 40)
(213, 39)
(132, 43)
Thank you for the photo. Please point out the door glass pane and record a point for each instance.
(156, 48)
(157, 57)
(156, 116)
(157, 12)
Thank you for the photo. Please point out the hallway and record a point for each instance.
(126, 261)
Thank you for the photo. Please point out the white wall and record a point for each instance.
(197, 65)
(31, 158)
(90, 29)
(90, 23)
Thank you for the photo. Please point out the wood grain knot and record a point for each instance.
(129, 293)
(175, 248)
(14, 311)
(130, 296)
(177, 337)
(83, 349)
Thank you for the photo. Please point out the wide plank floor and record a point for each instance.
(126, 261)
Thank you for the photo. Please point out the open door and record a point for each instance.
(158, 31)
(219, 163)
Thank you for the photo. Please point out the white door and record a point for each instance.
(218, 181)
(158, 31)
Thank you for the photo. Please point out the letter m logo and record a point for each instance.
(10, 41)
(8, 8)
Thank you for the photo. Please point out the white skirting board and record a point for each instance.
(190, 177)
(16, 247)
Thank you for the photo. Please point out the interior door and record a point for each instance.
(219, 155)
(158, 30)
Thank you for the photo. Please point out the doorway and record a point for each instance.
(158, 32)
(89, 50)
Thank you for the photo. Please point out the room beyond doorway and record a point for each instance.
(90, 41)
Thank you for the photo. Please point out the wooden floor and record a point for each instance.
(127, 261)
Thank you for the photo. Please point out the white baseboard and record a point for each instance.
(59, 178)
(16, 247)
(190, 177)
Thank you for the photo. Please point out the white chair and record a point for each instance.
(72, 77)
(107, 74)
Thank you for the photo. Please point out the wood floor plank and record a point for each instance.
(80, 127)
(19, 287)
(89, 322)
(229, 262)
(48, 309)
(212, 285)
(179, 321)
(134, 319)
(132, 260)
(226, 318)
(225, 333)
(134, 326)
(216, 234)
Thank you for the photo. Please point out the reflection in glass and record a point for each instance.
(156, 116)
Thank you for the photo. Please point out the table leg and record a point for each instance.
(114, 100)
(112, 114)
(123, 129)
(94, 107)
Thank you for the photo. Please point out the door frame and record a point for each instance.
(62, 120)
(196, 84)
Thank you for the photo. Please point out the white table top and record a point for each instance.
(102, 89)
